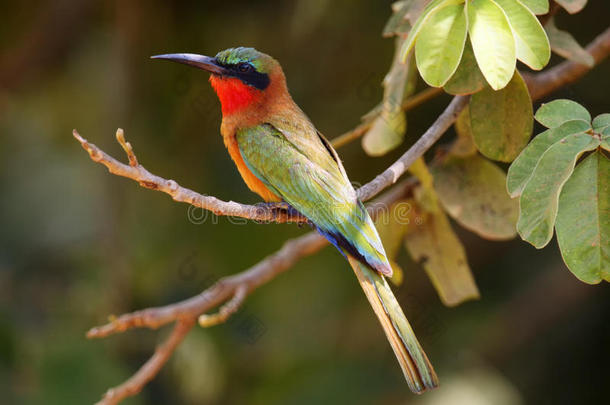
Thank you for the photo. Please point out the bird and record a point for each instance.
(283, 158)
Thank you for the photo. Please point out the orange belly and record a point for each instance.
(251, 180)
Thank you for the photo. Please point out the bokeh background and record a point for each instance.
(78, 244)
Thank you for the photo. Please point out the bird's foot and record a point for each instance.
(283, 207)
(279, 205)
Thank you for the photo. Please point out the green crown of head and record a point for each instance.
(234, 56)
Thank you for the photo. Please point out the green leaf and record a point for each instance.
(423, 17)
(564, 44)
(601, 122)
(538, 203)
(464, 145)
(531, 41)
(557, 112)
(583, 220)
(435, 245)
(572, 6)
(440, 44)
(492, 42)
(537, 6)
(473, 192)
(522, 168)
(468, 78)
(502, 120)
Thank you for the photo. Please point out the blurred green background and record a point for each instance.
(78, 244)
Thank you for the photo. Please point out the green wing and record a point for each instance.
(303, 169)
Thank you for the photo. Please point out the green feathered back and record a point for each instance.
(298, 164)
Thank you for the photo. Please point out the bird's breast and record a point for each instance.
(253, 182)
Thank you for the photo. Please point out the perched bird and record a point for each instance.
(283, 158)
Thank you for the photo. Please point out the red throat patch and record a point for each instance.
(234, 95)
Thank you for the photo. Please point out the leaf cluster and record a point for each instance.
(471, 47)
(556, 192)
(467, 47)
(500, 32)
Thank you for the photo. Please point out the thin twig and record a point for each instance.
(228, 309)
(136, 382)
(185, 313)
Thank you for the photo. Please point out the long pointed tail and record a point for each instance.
(418, 371)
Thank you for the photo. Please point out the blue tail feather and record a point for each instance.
(343, 246)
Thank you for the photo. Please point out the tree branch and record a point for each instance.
(137, 172)
(235, 288)
(542, 84)
(248, 280)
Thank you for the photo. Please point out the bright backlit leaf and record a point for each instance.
(423, 17)
(583, 220)
(468, 78)
(492, 41)
(537, 6)
(564, 44)
(531, 41)
(473, 191)
(572, 6)
(440, 44)
(539, 200)
(522, 168)
(501, 121)
(557, 112)
(386, 133)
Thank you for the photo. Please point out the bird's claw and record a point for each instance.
(281, 206)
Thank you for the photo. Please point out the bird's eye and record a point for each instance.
(244, 67)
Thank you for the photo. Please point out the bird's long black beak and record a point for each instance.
(192, 59)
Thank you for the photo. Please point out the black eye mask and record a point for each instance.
(251, 77)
